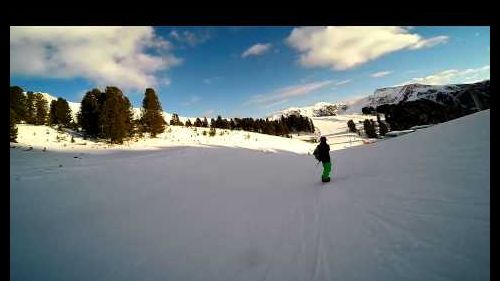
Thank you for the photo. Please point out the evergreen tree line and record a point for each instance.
(29, 108)
(106, 115)
(405, 115)
(370, 127)
(281, 127)
(32, 108)
(419, 112)
(109, 115)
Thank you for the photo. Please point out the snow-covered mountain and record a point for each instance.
(454, 94)
(319, 109)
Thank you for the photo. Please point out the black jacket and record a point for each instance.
(324, 152)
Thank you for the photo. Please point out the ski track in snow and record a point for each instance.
(414, 207)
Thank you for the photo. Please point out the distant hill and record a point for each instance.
(319, 109)
(467, 96)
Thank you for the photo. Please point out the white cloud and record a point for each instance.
(272, 104)
(120, 56)
(380, 74)
(345, 47)
(189, 37)
(452, 76)
(192, 100)
(284, 94)
(427, 43)
(343, 82)
(257, 50)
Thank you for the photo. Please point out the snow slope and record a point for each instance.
(45, 137)
(335, 129)
(416, 207)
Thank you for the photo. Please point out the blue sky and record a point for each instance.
(243, 71)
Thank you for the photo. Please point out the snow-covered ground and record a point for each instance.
(336, 130)
(40, 137)
(333, 127)
(416, 207)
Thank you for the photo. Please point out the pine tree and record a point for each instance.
(382, 128)
(52, 113)
(114, 116)
(88, 117)
(369, 128)
(13, 129)
(175, 120)
(197, 123)
(352, 126)
(205, 122)
(41, 106)
(129, 116)
(63, 112)
(60, 113)
(188, 123)
(30, 108)
(218, 122)
(18, 103)
(277, 128)
(152, 117)
(284, 127)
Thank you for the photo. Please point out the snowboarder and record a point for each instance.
(322, 153)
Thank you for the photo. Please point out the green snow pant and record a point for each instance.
(327, 168)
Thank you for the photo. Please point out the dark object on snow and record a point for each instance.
(60, 165)
(322, 151)
(316, 153)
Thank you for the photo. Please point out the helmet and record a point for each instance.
(322, 139)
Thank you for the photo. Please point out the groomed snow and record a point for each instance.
(416, 207)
